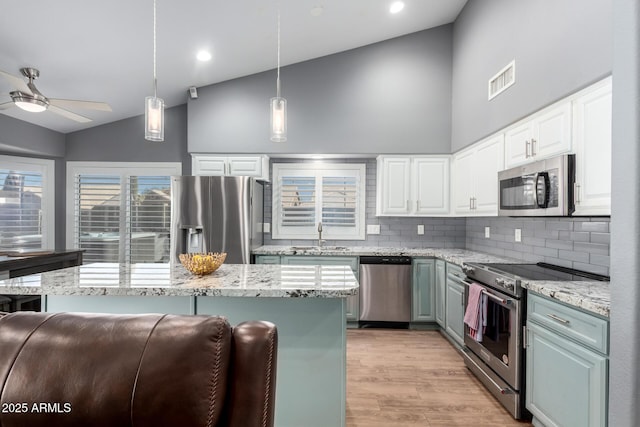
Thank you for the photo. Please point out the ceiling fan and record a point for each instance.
(28, 97)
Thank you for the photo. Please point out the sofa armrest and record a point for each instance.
(253, 375)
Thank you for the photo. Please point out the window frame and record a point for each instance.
(122, 169)
(47, 168)
(319, 170)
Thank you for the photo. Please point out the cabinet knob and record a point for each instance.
(527, 149)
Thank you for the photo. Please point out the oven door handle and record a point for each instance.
(503, 301)
(495, 384)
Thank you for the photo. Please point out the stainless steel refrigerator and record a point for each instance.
(216, 214)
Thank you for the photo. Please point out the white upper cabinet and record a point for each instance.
(592, 145)
(205, 164)
(542, 135)
(412, 186)
(475, 177)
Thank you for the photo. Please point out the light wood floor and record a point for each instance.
(414, 378)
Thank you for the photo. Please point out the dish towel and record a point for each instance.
(475, 315)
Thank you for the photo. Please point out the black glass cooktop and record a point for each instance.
(544, 271)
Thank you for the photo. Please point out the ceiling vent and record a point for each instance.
(501, 81)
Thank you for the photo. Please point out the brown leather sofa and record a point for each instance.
(152, 370)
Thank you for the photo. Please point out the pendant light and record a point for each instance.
(278, 104)
(154, 106)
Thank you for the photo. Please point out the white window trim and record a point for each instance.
(47, 169)
(360, 171)
(123, 169)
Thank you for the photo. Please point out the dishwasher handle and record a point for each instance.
(393, 260)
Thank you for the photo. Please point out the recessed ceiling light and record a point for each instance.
(317, 10)
(396, 7)
(203, 55)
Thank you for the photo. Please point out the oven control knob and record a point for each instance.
(509, 285)
(468, 269)
(499, 281)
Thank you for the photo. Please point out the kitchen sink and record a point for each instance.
(319, 248)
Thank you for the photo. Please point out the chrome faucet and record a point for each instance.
(320, 234)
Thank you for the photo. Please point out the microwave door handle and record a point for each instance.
(542, 190)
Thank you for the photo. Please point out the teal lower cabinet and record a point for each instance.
(567, 365)
(454, 308)
(441, 292)
(423, 292)
(268, 259)
(352, 302)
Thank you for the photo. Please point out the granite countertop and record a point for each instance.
(456, 256)
(593, 297)
(230, 280)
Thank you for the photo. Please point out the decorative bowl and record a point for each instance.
(202, 264)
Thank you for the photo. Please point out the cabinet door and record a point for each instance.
(455, 311)
(422, 302)
(463, 182)
(440, 292)
(566, 383)
(592, 144)
(394, 183)
(487, 162)
(431, 185)
(208, 165)
(552, 132)
(517, 142)
(245, 166)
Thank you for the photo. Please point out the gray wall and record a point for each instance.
(624, 382)
(559, 47)
(580, 243)
(394, 231)
(21, 138)
(122, 141)
(389, 97)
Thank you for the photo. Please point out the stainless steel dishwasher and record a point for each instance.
(385, 289)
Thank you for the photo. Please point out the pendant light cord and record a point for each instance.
(155, 78)
(278, 79)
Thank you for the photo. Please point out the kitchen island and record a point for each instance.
(307, 303)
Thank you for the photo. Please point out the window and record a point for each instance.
(27, 194)
(120, 212)
(306, 194)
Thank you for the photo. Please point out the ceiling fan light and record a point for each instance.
(154, 119)
(28, 103)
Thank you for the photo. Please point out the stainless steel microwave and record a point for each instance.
(542, 188)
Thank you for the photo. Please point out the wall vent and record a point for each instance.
(503, 80)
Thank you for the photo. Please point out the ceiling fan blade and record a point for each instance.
(16, 82)
(6, 105)
(68, 114)
(73, 103)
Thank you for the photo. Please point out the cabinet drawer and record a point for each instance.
(455, 272)
(583, 328)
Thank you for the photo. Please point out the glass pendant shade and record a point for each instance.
(154, 119)
(278, 119)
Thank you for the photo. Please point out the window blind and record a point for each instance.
(21, 209)
(305, 194)
(298, 201)
(148, 218)
(123, 223)
(98, 206)
(339, 201)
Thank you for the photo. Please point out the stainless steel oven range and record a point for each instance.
(498, 360)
